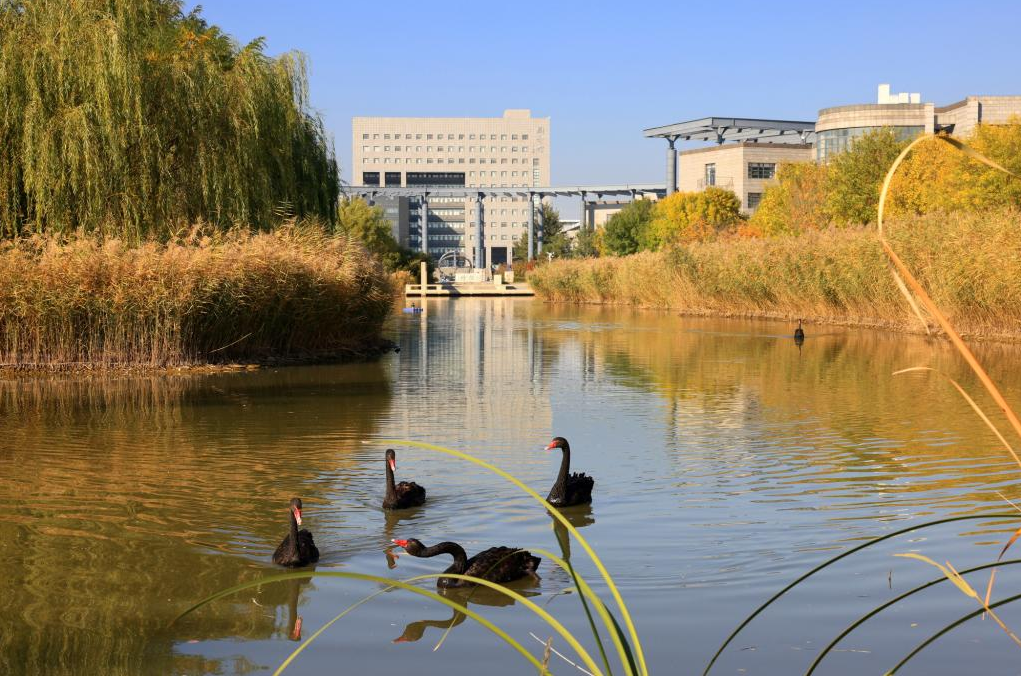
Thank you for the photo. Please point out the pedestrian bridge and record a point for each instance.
(587, 195)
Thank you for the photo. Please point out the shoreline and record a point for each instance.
(367, 353)
(902, 327)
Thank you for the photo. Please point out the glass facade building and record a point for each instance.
(834, 141)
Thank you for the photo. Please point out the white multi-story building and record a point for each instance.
(448, 152)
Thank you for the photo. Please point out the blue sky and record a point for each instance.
(604, 71)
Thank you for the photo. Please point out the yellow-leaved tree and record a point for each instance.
(795, 203)
(691, 217)
(937, 177)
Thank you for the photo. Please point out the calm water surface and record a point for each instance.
(727, 461)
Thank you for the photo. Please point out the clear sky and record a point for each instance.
(604, 71)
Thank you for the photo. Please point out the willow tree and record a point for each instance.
(133, 118)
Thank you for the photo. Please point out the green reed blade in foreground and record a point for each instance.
(880, 608)
(619, 638)
(637, 646)
(830, 562)
(948, 628)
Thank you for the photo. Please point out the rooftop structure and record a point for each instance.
(723, 129)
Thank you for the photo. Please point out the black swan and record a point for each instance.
(569, 489)
(496, 564)
(799, 333)
(403, 495)
(297, 549)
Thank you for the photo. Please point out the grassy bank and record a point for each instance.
(969, 262)
(291, 294)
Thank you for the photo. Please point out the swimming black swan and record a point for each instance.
(496, 564)
(403, 495)
(799, 333)
(569, 489)
(297, 549)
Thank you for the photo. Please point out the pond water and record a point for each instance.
(727, 459)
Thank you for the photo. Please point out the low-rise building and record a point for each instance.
(745, 167)
(747, 151)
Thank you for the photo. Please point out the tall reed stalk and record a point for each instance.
(926, 309)
(204, 297)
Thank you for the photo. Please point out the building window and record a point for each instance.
(761, 169)
(710, 174)
(370, 178)
(833, 141)
(753, 200)
(524, 137)
(435, 178)
(386, 137)
(365, 136)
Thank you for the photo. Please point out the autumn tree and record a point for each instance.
(794, 203)
(691, 216)
(854, 177)
(625, 230)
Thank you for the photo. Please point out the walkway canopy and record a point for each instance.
(723, 129)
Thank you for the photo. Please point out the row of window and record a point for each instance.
(415, 239)
(449, 137)
(759, 170)
(448, 160)
(833, 141)
(445, 149)
(458, 228)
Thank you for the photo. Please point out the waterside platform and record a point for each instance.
(469, 289)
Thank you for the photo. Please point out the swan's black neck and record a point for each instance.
(294, 528)
(560, 485)
(391, 488)
(452, 548)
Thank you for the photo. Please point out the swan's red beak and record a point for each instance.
(297, 515)
(551, 446)
(400, 543)
(393, 464)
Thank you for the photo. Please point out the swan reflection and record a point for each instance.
(482, 596)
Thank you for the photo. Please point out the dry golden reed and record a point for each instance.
(968, 261)
(203, 297)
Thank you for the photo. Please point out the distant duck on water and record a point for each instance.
(799, 333)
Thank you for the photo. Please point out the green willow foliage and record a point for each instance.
(131, 118)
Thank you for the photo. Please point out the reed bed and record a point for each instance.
(968, 260)
(203, 297)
